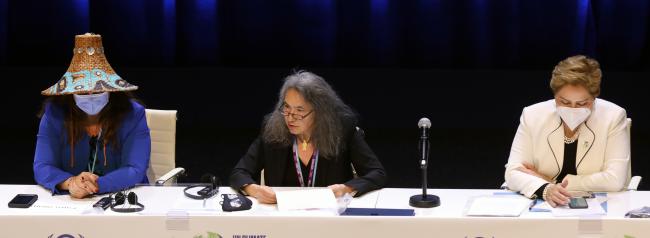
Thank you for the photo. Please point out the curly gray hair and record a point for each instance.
(330, 113)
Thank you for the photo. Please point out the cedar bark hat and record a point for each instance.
(89, 71)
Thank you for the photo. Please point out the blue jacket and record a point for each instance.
(125, 167)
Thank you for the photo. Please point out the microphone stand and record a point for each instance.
(423, 200)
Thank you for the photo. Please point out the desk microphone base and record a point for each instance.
(424, 201)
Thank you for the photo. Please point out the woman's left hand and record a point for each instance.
(340, 189)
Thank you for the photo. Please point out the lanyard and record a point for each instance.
(312, 171)
(91, 169)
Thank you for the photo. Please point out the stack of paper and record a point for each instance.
(306, 200)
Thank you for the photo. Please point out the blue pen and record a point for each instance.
(531, 209)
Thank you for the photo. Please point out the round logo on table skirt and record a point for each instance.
(209, 235)
(65, 236)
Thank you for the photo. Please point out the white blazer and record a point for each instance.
(602, 156)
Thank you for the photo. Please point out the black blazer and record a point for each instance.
(273, 159)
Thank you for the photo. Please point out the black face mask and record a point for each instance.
(235, 202)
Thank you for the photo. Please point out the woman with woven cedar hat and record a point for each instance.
(93, 136)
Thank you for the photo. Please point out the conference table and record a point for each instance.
(168, 213)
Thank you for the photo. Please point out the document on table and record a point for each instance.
(306, 200)
(498, 205)
(594, 209)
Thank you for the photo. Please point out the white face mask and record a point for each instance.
(573, 117)
(91, 104)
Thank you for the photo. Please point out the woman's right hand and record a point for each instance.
(263, 194)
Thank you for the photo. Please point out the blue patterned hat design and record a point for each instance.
(89, 71)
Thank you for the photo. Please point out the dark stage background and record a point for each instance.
(470, 66)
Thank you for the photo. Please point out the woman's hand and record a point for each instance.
(81, 185)
(341, 189)
(263, 194)
(530, 169)
(76, 189)
(88, 181)
(556, 194)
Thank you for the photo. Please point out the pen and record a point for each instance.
(532, 204)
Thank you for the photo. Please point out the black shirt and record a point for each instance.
(568, 166)
(332, 169)
(291, 176)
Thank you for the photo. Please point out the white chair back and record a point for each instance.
(632, 181)
(629, 164)
(162, 127)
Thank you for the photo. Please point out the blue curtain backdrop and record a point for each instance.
(468, 65)
(328, 33)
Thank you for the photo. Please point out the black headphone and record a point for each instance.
(119, 199)
(208, 191)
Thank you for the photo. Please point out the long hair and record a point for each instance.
(110, 118)
(330, 114)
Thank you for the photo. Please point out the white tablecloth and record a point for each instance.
(169, 214)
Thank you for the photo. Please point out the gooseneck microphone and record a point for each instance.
(423, 200)
(424, 124)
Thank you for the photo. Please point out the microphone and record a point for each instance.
(424, 124)
(423, 200)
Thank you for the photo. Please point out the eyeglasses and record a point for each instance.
(286, 111)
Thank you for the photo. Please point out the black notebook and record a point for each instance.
(377, 212)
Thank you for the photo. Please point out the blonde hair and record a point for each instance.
(577, 70)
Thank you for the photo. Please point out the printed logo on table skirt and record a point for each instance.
(209, 235)
(249, 236)
(65, 236)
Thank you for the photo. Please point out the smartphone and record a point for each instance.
(578, 203)
(23, 200)
(104, 203)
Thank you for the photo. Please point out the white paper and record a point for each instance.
(306, 200)
(499, 205)
(195, 205)
(594, 209)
